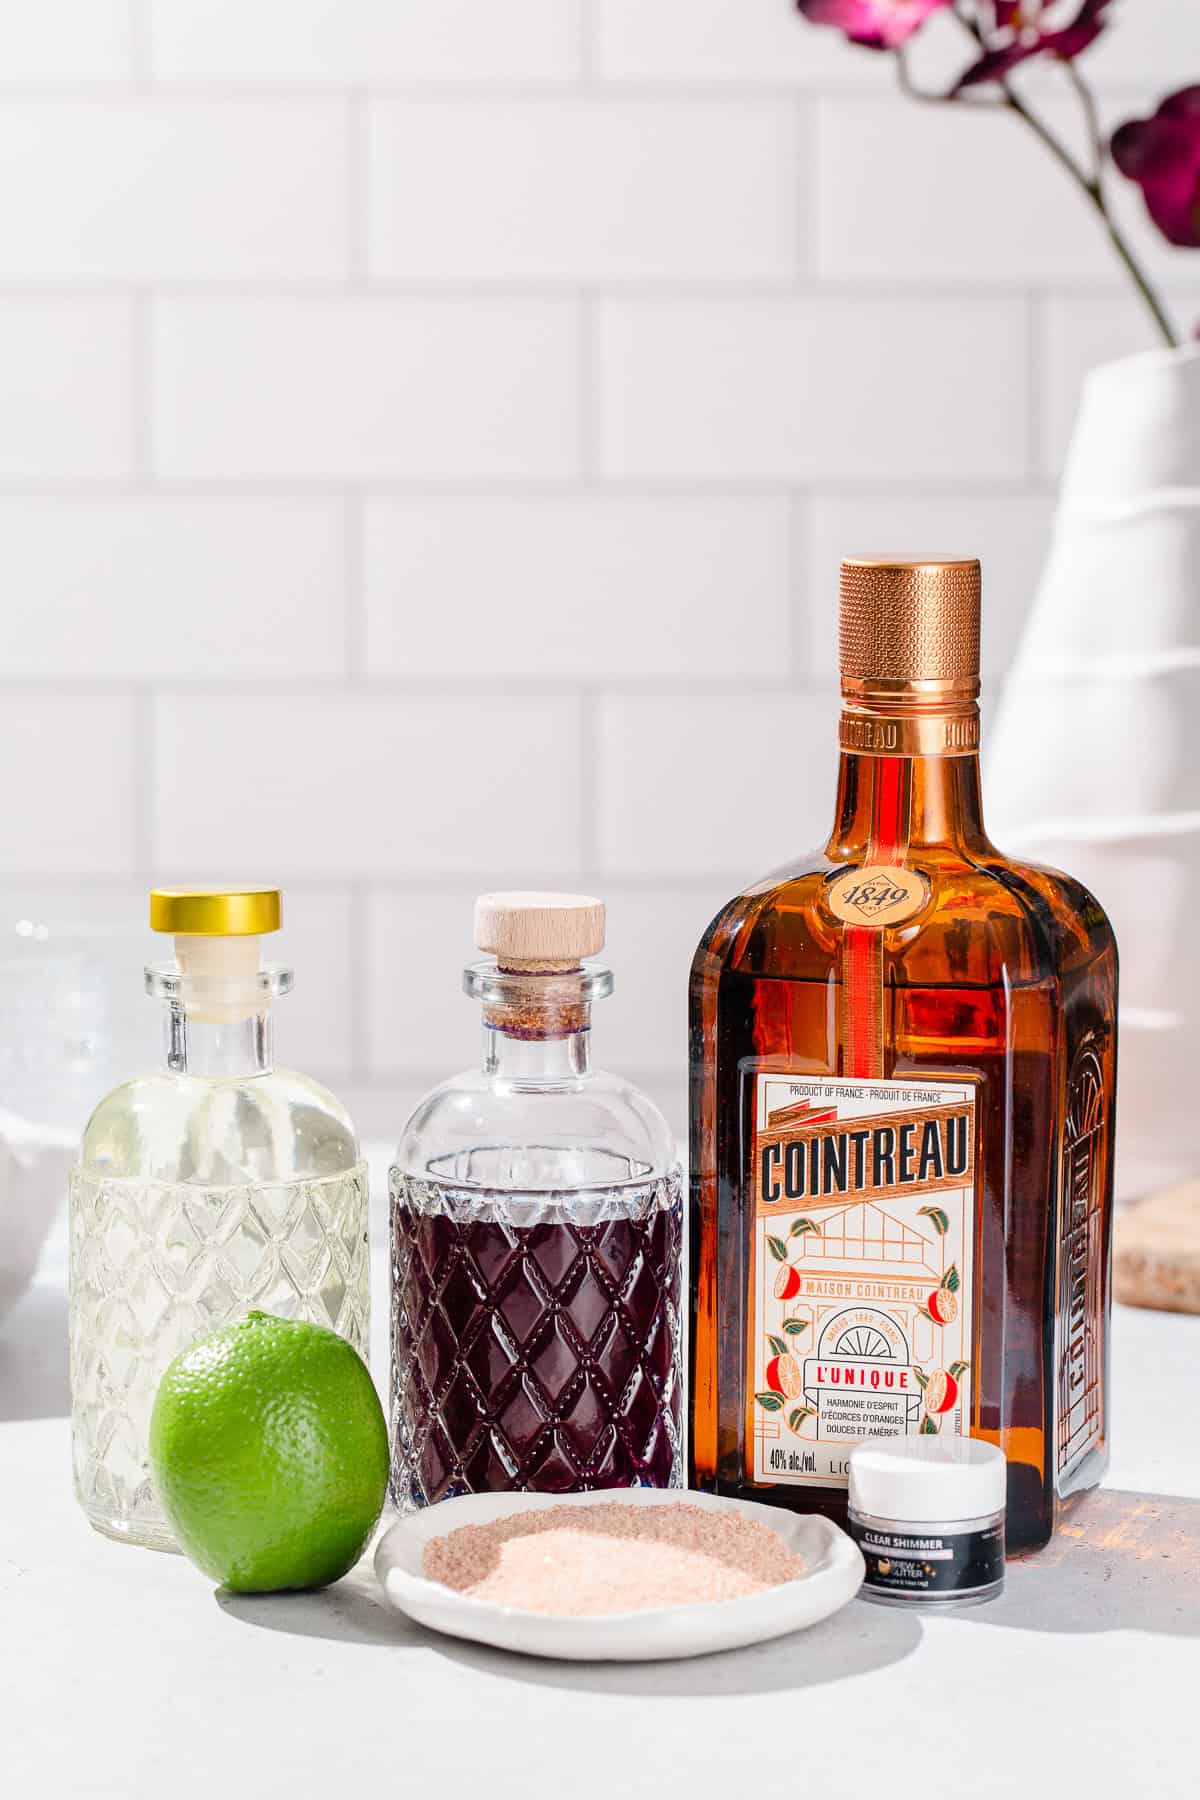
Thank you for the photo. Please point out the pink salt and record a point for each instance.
(610, 1558)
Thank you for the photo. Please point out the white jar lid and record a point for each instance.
(927, 1479)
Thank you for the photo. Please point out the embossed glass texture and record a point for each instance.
(206, 1190)
(536, 1236)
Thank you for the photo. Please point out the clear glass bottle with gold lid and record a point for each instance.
(216, 1185)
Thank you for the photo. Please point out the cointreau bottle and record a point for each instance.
(903, 1062)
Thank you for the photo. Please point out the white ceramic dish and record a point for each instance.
(834, 1572)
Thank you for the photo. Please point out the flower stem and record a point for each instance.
(1099, 198)
(1092, 184)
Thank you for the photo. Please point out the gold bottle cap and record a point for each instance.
(907, 620)
(215, 912)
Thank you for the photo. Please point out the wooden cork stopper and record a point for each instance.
(539, 931)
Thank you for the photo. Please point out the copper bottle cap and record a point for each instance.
(910, 620)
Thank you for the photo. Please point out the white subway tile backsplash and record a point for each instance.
(429, 429)
(1009, 533)
(353, 389)
(814, 389)
(314, 1024)
(418, 1020)
(927, 194)
(66, 389)
(723, 783)
(69, 784)
(652, 937)
(587, 588)
(150, 588)
(360, 41)
(923, 194)
(586, 190)
(327, 785)
(145, 189)
(65, 41)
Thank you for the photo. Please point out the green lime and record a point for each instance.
(269, 1454)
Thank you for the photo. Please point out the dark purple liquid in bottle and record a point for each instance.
(540, 1356)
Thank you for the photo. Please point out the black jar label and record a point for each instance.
(933, 1564)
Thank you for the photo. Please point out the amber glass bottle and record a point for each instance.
(903, 1064)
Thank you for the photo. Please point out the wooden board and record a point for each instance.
(1156, 1253)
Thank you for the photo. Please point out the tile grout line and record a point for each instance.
(457, 882)
(354, 548)
(143, 777)
(468, 488)
(808, 193)
(589, 780)
(494, 291)
(141, 45)
(358, 186)
(359, 959)
(588, 56)
(443, 687)
(259, 89)
(588, 349)
(798, 542)
(142, 381)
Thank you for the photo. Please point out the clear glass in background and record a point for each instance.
(216, 1185)
(536, 1219)
(56, 1057)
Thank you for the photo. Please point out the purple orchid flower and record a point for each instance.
(1027, 28)
(1162, 154)
(879, 24)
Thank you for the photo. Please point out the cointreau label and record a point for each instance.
(862, 1267)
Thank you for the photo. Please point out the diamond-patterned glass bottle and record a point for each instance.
(536, 1227)
(213, 1188)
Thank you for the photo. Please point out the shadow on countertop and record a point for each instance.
(857, 1640)
(1121, 1562)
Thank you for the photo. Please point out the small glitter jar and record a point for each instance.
(928, 1515)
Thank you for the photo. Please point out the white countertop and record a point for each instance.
(123, 1674)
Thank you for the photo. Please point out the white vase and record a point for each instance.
(1095, 763)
